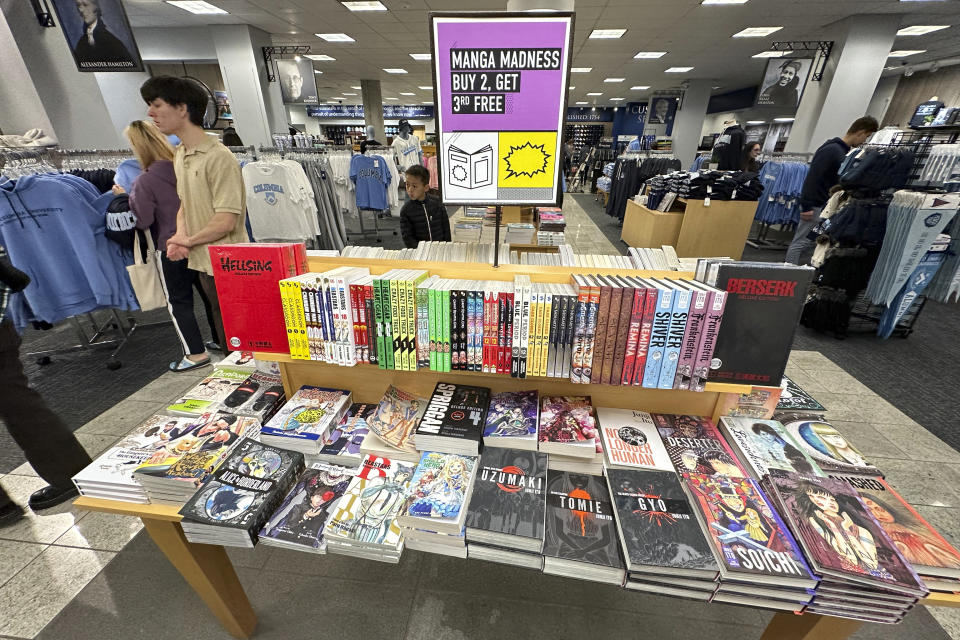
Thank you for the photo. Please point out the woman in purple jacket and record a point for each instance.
(154, 202)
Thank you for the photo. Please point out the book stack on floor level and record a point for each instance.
(235, 502)
(172, 474)
(304, 423)
(505, 517)
(433, 518)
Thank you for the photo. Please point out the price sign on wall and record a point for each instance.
(500, 81)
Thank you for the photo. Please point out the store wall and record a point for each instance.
(882, 97)
(920, 87)
(76, 111)
(22, 109)
(121, 92)
(182, 44)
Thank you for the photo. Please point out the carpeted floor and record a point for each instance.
(918, 374)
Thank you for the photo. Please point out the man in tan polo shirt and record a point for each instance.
(210, 186)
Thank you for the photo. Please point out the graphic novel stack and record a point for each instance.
(207, 395)
(433, 517)
(512, 420)
(303, 423)
(342, 444)
(392, 425)
(454, 420)
(568, 432)
(233, 504)
(505, 517)
(174, 471)
(364, 520)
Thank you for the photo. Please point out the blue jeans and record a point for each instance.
(801, 248)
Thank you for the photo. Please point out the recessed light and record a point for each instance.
(678, 70)
(349, 94)
(594, 94)
(723, 1)
(357, 88)
(783, 119)
(581, 69)
(427, 102)
(332, 102)
(196, 6)
(570, 88)
(318, 72)
(640, 87)
(319, 56)
(425, 87)
(395, 70)
(756, 32)
(391, 98)
(617, 99)
(649, 55)
(903, 53)
(582, 102)
(607, 33)
(364, 6)
(756, 122)
(335, 37)
(420, 56)
(772, 54)
(920, 30)
(614, 79)
(407, 93)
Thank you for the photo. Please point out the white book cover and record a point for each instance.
(631, 441)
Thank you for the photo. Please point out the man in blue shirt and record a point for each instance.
(47, 443)
(823, 174)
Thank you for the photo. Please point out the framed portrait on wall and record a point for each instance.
(99, 35)
(783, 83)
(298, 83)
(662, 110)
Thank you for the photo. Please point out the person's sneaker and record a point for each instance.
(11, 513)
(51, 496)
(213, 346)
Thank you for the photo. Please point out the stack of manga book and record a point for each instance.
(305, 421)
(512, 420)
(832, 451)
(233, 504)
(207, 395)
(568, 432)
(342, 444)
(505, 517)
(864, 574)
(453, 420)
(794, 398)
(764, 447)
(663, 545)
(298, 523)
(631, 441)
(259, 396)
(432, 519)
(364, 520)
(174, 471)
(657, 333)
(392, 426)
(110, 475)
(580, 536)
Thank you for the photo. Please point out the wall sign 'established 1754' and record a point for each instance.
(501, 93)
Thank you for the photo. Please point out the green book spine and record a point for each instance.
(378, 315)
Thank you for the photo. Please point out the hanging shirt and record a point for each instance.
(371, 177)
(275, 202)
(406, 151)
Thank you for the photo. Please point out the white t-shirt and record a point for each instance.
(406, 151)
(279, 201)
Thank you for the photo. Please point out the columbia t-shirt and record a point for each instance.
(371, 177)
(275, 203)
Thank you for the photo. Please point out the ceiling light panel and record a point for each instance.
(595, 94)
(614, 79)
(196, 6)
(640, 87)
(420, 56)
(581, 69)
(407, 93)
(607, 34)
(903, 53)
(921, 30)
(364, 6)
(723, 1)
(649, 55)
(678, 70)
(335, 37)
(322, 57)
(395, 70)
(756, 32)
(772, 54)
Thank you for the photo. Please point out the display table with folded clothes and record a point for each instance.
(701, 185)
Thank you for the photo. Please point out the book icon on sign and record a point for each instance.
(470, 170)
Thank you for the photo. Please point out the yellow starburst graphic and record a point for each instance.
(526, 159)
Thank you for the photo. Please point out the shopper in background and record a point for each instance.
(155, 203)
(47, 443)
(749, 160)
(423, 217)
(212, 205)
(823, 174)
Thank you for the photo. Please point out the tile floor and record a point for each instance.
(46, 559)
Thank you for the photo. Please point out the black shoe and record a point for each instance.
(51, 496)
(10, 514)
(213, 346)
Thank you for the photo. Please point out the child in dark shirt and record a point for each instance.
(423, 217)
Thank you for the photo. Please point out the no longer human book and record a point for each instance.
(630, 440)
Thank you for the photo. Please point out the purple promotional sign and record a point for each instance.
(501, 94)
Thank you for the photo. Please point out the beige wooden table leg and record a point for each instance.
(809, 626)
(208, 570)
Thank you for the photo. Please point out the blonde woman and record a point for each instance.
(154, 202)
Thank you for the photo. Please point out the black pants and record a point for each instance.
(179, 283)
(46, 442)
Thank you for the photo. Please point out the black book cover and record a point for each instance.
(763, 309)
(794, 398)
(456, 411)
(509, 494)
(657, 523)
(458, 348)
(244, 490)
(474, 304)
(579, 520)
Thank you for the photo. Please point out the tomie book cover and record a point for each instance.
(580, 524)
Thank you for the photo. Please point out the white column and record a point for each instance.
(244, 77)
(688, 123)
(882, 96)
(829, 107)
(121, 92)
(373, 108)
(44, 88)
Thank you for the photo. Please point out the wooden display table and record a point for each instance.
(644, 227)
(535, 248)
(207, 568)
